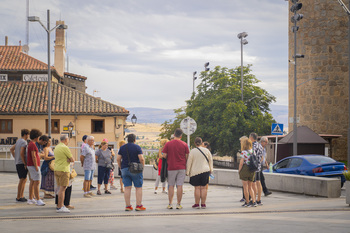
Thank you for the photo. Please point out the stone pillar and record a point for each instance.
(322, 38)
(60, 50)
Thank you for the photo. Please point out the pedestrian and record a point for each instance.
(127, 154)
(47, 175)
(207, 145)
(121, 143)
(160, 162)
(258, 151)
(67, 193)
(88, 163)
(263, 142)
(33, 165)
(199, 167)
(63, 158)
(18, 151)
(176, 152)
(82, 146)
(245, 174)
(240, 140)
(104, 161)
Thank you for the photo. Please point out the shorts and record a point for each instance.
(129, 178)
(200, 179)
(88, 174)
(257, 176)
(245, 174)
(33, 174)
(103, 175)
(21, 171)
(176, 177)
(62, 178)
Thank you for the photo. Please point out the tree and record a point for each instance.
(221, 116)
(168, 127)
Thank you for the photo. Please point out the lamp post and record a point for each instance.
(133, 120)
(194, 78)
(241, 36)
(48, 30)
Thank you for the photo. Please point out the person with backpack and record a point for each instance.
(245, 174)
(258, 151)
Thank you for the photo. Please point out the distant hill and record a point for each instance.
(156, 115)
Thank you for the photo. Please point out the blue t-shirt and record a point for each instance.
(134, 152)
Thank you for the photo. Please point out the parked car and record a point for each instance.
(311, 165)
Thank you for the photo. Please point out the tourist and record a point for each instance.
(199, 167)
(160, 162)
(104, 161)
(47, 175)
(121, 143)
(176, 153)
(33, 165)
(18, 151)
(128, 153)
(87, 159)
(258, 151)
(82, 146)
(263, 142)
(245, 174)
(63, 158)
(206, 145)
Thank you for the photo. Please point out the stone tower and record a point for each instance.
(60, 49)
(322, 105)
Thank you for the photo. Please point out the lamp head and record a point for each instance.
(242, 35)
(133, 119)
(33, 18)
(62, 26)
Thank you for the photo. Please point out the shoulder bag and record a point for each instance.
(254, 163)
(133, 167)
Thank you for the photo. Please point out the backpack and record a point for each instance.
(254, 163)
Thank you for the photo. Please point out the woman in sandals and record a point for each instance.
(103, 159)
(198, 168)
(48, 180)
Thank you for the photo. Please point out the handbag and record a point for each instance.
(110, 166)
(52, 165)
(134, 167)
(73, 174)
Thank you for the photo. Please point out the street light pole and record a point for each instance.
(194, 78)
(241, 36)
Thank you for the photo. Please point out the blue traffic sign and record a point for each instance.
(277, 129)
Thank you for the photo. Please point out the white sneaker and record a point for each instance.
(155, 192)
(40, 203)
(31, 202)
(63, 209)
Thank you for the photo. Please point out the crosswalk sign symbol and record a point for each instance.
(277, 129)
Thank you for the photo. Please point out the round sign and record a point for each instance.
(188, 126)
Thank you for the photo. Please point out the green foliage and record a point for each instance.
(168, 127)
(347, 175)
(221, 116)
(150, 157)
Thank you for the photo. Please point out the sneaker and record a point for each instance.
(259, 202)
(164, 192)
(155, 191)
(203, 206)
(40, 203)
(140, 208)
(91, 194)
(31, 202)
(129, 208)
(170, 207)
(23, 199)
(87, 195)
(242, 200)
(113, 187)
(245, 205)
(92, 187)
(195, 206)
(268, 193)
(178, 206)
(254, 204)
(63, 209)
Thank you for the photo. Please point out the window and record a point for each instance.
(97, 126)
(282, 164)
(6, 126)
(55, 126)
(296, 162)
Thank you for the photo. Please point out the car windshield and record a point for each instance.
(319, 159)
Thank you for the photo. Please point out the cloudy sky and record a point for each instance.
(142, 53)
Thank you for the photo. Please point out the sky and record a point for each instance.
(142, 53)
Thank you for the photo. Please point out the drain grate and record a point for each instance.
(165, 215)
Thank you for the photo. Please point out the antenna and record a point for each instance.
(26, 50)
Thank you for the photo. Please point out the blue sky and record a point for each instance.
(142, 53)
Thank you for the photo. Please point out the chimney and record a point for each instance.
(6, 40)
(60, 49)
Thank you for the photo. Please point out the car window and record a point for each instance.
(319, 159)
(282, 164)
(295, 162)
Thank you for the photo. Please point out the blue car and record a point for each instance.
(311, 165)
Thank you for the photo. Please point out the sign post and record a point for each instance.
(276, 129)
(188, 126)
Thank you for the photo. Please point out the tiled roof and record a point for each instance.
(31, 98)
(71, 75)
(12, 58)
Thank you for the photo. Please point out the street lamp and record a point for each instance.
(295, 18)
(48, 30)
(194, 78)
(241, 36)
(133, 119)
(348, 12)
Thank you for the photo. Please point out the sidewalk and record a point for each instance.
(223, 213)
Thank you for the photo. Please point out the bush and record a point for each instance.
(150, 157)
(347, 175)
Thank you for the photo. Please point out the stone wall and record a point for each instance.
(322, 105)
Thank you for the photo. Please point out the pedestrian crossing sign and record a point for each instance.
(277, 129)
